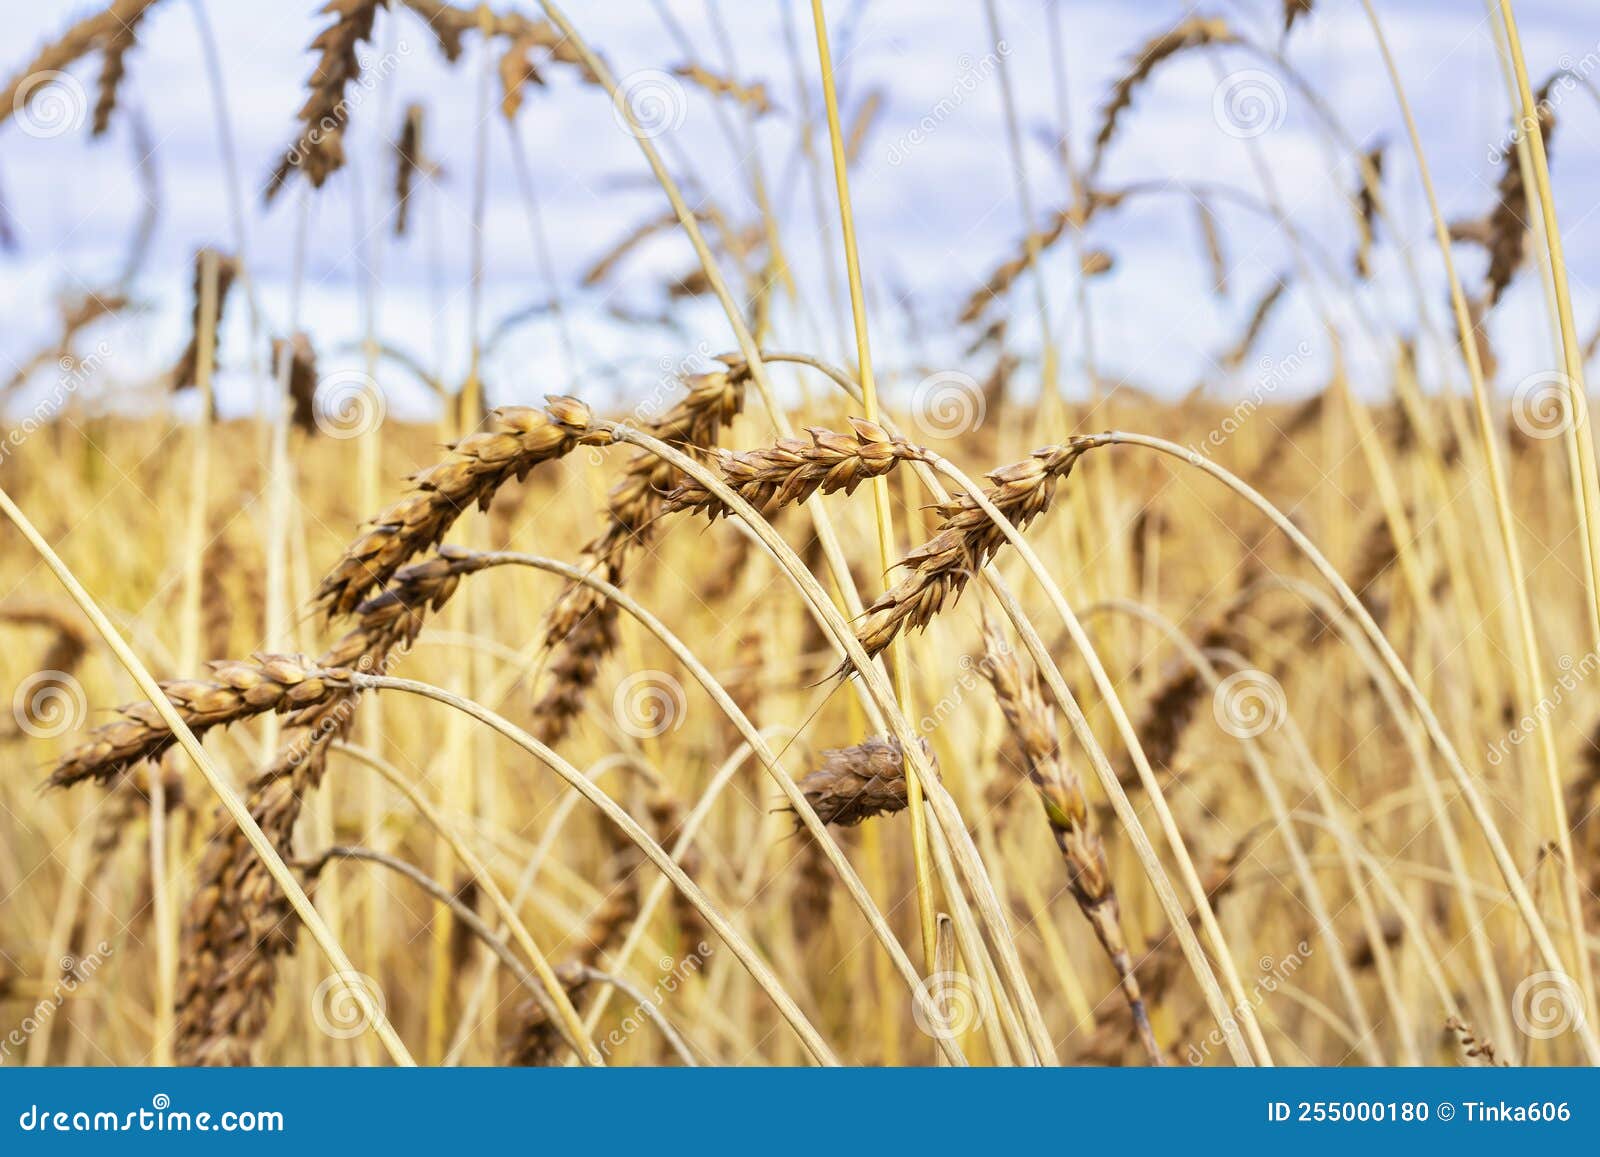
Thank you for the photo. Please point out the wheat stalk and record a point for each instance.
(1033, 725)
(112, 31)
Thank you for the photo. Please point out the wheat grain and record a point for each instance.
(517, 439)
(1367, 210)
(1032, 723)
(409, 162)
(581, 630)
(856, 783)
(318, 151)
(302, 379)
(1504, 230)
(111, 31)
(1192, 32)
(113, 62)
(942, 566)
(791, 470)
(1260, 314)
(751, 96)
(184, 372)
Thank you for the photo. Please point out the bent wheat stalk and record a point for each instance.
(964, 852)
(683, 841)
(1416, 746)
(1580, 444)
(749, 350)
(725, 931)
(1587, 496)
(235, 806)
(1173, 908)
(1464, 782)
(497, 946)
(1273, 794)
(748, 733)
(554, 991)
(827, 537)
(1027, 491)
(974, 527)
(1033, 727)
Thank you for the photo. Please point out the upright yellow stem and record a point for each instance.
(459, 791)
(189, 646)
(1528, 671)
(880, 485)
(280, 471)
(1578, 424)
(1049, 361)
(231, 800)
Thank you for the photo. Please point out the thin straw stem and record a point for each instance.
(231, 801)
(880, 485)
(729, 935)
(1463, 780)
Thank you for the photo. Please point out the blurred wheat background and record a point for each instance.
(670, 533)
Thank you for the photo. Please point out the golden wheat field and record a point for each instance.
(576, 557)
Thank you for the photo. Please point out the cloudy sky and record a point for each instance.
(934, 187)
